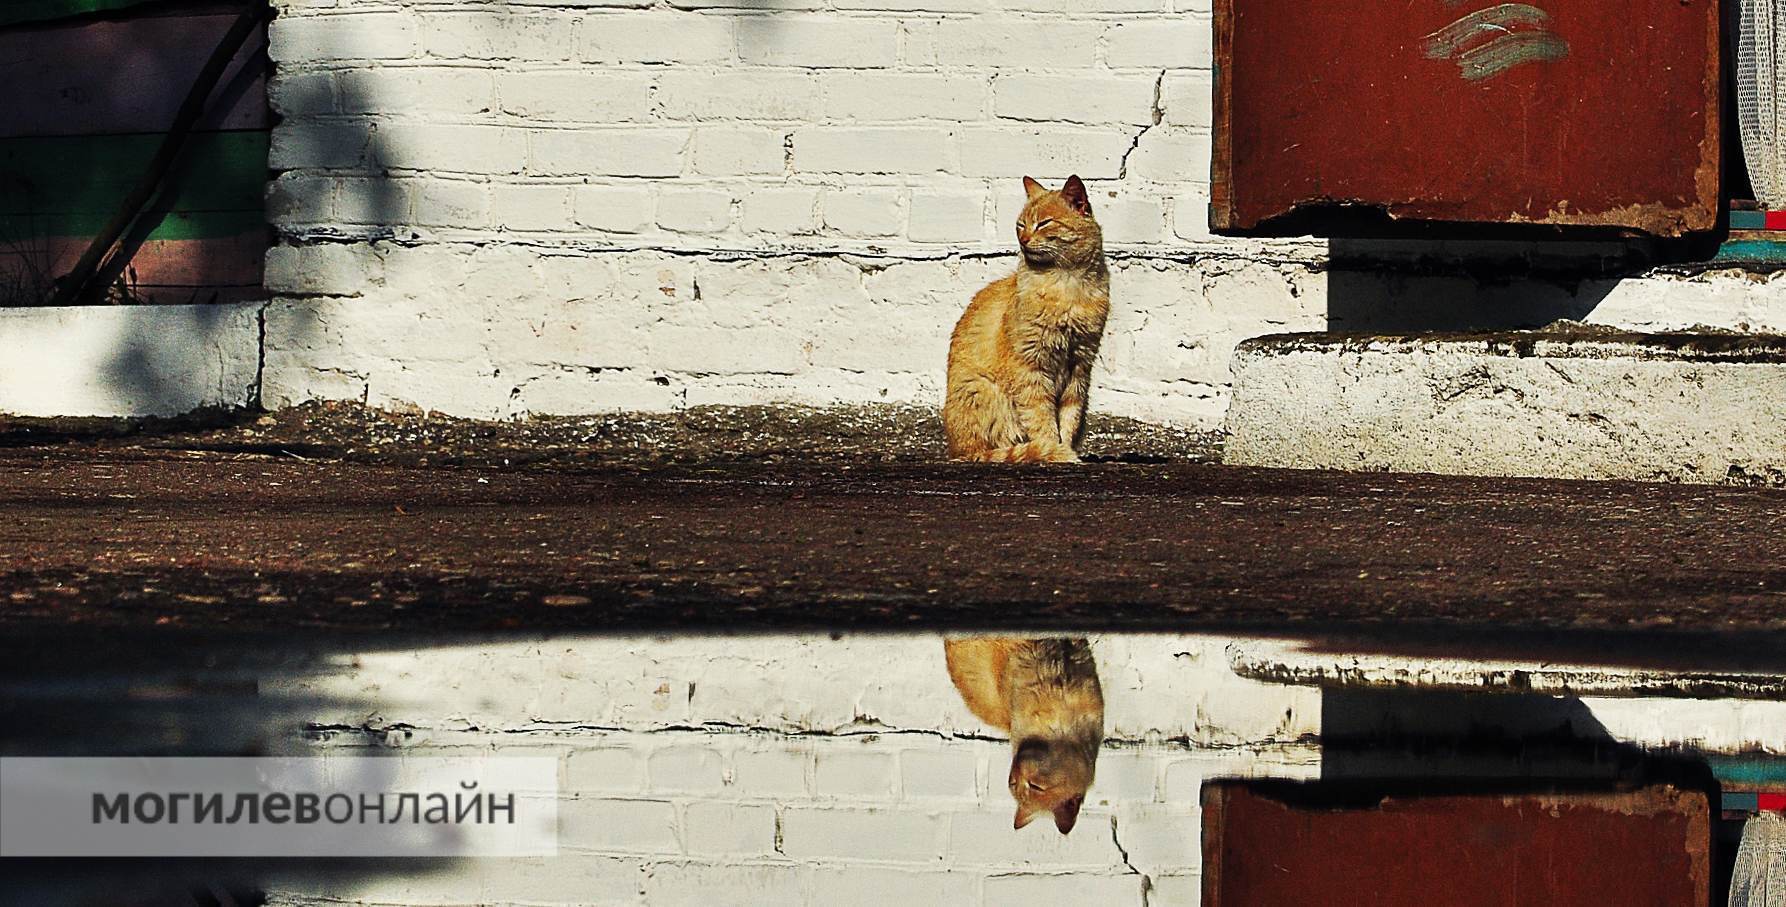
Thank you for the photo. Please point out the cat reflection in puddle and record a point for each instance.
(1045, 694)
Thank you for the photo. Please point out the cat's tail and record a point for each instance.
(1027, 452)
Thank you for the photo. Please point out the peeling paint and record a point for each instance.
(1483, 26)
(1282, 663)
(1509, 51)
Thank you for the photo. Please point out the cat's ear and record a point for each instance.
(1032, 187)
(1074, 193)
(1026, 814)
(1067, 813)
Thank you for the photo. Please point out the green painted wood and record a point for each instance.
(13, 12)
(22, 229)
(1752, 251)
(70, 185)
(1748, 771)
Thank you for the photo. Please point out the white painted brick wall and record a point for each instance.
(699, 136)
(835, 177)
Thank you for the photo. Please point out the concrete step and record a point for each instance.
(1301, 664)
(1563, 402)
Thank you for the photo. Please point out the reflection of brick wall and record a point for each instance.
(863, 819)
(802, 770)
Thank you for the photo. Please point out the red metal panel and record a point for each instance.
(1646, 847)
(1592, 112)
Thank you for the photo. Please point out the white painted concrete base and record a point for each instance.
(1705, 408)
(506, 330)
(496, 331)
(128, 360)
(1279, 661)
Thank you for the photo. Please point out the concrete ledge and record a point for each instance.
(158, 360)
(1276, 661)
(1705, 408)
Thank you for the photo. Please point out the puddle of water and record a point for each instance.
(848, 769)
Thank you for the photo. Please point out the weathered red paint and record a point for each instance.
(220, 268)
(1349, 103)
(1633, 849)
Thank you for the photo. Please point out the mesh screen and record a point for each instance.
(1759, 75)
(1759, 877)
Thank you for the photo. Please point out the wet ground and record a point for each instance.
(337, 521)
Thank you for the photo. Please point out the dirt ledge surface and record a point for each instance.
(367, 531)
(709, 434)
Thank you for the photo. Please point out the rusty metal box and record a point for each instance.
(1558, 112)
(1266, 846)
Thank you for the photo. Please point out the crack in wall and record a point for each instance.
(1123, 852)
(1158, 113)
(1147, 742)
(1306, 254)
(868, 260)
(260, 359)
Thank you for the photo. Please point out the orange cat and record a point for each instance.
(1021, 355)
(1045, 692)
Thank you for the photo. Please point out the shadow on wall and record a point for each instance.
(154, 359)
(130, 697)
(195, 342)
(360, 200)
(1371, 734)
(151, 369)
(1424, 741)
(1400, 286)
(169, 360)
(333, 198)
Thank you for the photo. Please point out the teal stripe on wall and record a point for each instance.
(1752, 251)
(70, 185)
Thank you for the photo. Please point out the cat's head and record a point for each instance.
(1050, 776)
(1056, 228)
